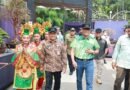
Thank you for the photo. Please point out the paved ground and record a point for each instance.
(108, 77)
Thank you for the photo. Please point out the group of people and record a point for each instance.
(38, 62)
(82, 50)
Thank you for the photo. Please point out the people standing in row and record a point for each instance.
(55, 60)
(68, 40)
(99, 58)
(121, 59)
(83, 51)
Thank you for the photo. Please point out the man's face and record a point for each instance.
(52, 36)
(80, 31)
(98, 35)
(86, 33)
(72, 33)
(105, 33)
(25, 39)
(37, 37)
(125, 32)
(46, 35)
(128, 31)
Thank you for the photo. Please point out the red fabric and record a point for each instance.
(40, 83)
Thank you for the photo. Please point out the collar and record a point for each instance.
(86, 38)
(127, 36)
(99, 38)
(71, 36)
(52, 42)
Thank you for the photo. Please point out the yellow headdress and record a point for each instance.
(27, 27)
(39, 27)
(46, 25)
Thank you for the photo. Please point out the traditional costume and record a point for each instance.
(38, 45)
(25, 62)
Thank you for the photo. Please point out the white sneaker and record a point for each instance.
(98, 81)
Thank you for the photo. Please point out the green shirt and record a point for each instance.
(81, 44)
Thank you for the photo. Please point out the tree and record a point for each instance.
(16, 11)
(46, 14)
(102, 8)
(58, 16)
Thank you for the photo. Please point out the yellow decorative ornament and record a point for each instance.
(26, 26)
(47, 23)
(40, 27)
(23, 68)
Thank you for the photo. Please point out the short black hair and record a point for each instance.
(86, 28)
(52, 30)
(98, 30)
(128, 26)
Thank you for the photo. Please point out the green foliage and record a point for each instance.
(3, 35)
(102, 8)
(46, 14)
(52, 13)
(56, 17)
(39, 20)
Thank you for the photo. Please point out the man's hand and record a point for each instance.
(41, 68)
(104, 56)
(90, 51)
(64, 70)
(113, 65)
(74, 64)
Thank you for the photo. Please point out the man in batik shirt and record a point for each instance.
(55, 60)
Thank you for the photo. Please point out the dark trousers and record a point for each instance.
(70, 63)
(120, 76)
(49, 80)
(126, 84)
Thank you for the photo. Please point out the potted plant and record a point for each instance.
(3, 35)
